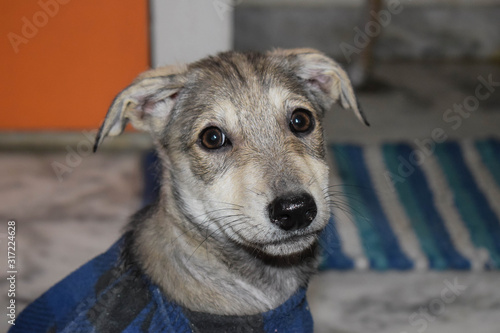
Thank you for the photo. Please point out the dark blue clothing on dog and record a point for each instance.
(107, 295)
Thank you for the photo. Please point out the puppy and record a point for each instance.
(232, 240)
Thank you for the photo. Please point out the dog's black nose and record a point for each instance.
(293, 212)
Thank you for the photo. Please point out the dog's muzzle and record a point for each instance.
(293, 211)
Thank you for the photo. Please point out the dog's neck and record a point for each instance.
(204, 275)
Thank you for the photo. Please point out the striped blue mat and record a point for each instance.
(403, 206)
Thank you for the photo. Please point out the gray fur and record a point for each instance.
(208, 242)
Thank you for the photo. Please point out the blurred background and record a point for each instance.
(414, 248)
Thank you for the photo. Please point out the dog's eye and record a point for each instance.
(213, 138)
(301, 121)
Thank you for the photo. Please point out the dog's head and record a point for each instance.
(241, 140)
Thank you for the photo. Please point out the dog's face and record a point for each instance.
(245, 146)
(242, 142)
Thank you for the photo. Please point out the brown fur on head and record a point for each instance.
(211, 243)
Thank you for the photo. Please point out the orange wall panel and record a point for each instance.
(63, 61)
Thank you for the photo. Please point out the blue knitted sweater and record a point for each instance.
(106, 296)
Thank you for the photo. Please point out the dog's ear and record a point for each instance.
(324, 77)
(146, 103)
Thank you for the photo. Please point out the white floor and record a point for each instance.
(444, 302)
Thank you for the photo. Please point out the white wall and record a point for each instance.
(187, 30)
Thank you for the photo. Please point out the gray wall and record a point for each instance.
(444, 30)
(471, 3)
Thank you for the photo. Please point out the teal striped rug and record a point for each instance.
(403, 206)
